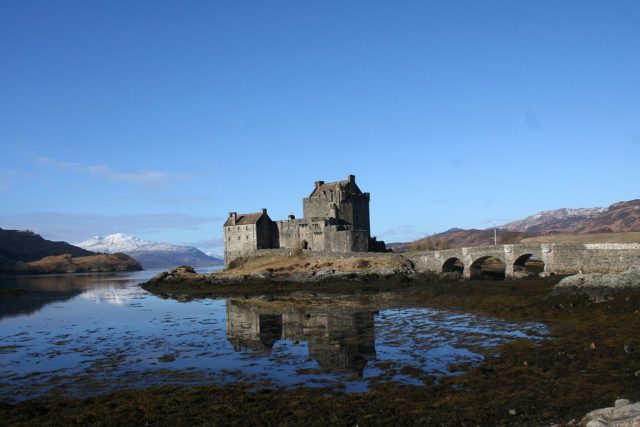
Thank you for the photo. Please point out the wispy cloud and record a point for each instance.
(104, 171)
(78, 227)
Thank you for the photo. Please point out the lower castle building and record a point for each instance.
(335, 219)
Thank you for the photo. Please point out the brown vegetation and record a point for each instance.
(70, 264)
(278, 264)
(626, 237)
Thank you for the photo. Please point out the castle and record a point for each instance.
(336, 219)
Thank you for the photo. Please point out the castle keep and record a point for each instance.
(336, 219)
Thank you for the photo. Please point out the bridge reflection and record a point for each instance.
(338, 338)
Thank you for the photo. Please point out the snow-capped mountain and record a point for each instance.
(563, 220)
(149, 254)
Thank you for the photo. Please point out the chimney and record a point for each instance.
(319, 183)
(292, 217)
(352, 179)
(234, 217)
(264, 210)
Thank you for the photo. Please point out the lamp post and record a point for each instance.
(495, 234)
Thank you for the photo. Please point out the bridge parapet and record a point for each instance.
(558, 258)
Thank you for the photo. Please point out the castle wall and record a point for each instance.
(289, 234)
(355, 211)
(336, 219)
(239, 240)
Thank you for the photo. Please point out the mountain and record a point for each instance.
(555, 221)
(619, 217)
(25, 252)
(620, 221)
(150, 254)
(461, 238)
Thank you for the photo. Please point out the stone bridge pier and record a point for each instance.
(567, 258)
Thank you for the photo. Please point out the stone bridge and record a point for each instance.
(558, 258)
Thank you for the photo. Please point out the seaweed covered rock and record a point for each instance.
(621, 414)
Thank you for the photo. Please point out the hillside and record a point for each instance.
(96, 263)
(150, 254)
(460, 238)
(24, 252)
(619, 217)
(558, 220)
(28, 246)
(583, 225)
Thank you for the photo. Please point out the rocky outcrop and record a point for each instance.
(69, 264)
(596, 285)
(627, 279)
(622, 414)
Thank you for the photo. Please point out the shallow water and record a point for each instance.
(88, 334)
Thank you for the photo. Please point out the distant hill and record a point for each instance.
(618, 221)
(461, 238)
(555, 221)
(28, 246)
(26, 252)
(619, 217)
(150, 254)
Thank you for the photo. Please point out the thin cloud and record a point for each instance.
(78, 227)
(104, 171)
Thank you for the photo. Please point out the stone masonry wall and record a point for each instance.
(558, 258)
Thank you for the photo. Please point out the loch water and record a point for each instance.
(88, 334)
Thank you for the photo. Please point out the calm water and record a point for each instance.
(88, 334)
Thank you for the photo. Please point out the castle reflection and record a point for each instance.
(338, 338)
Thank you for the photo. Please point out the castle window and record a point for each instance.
(238, 237)
(246, 227)
(229, 238)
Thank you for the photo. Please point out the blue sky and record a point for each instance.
(158, 118)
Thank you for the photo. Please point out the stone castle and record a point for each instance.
(336, 219)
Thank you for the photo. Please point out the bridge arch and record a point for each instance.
(453, 265)
(488, 267)
(528, 264)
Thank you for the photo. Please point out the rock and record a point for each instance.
(512, 411)
(522, 274)
(621, 414)
(592, 346)
(325, 272)
(184, 298)
(627, 279)
(183, 269)
(160, 276)
(621, 402)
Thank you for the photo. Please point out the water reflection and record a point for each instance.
(337, 338)
(90, 334)
(39, 291)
